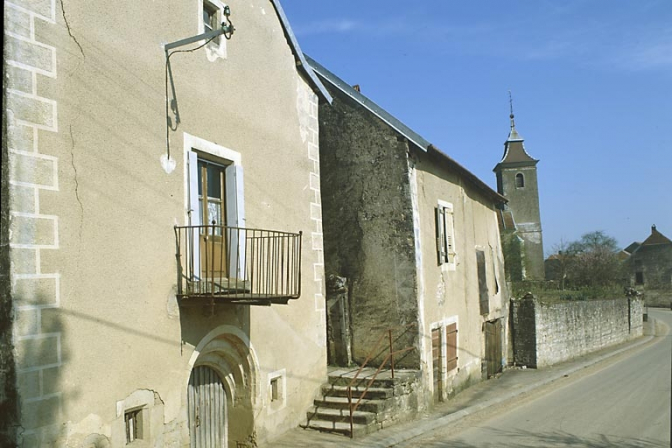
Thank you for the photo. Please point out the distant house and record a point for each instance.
(649, 263)
(162, 209)
(416, 236)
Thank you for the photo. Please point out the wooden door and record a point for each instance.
(207, 409)
(493, 347)
(436, 364)
(212, 213)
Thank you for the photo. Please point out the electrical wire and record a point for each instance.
(167, 72)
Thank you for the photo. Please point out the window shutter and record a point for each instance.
(440, 235)
(235, 217)
(193, 212)
(450, 237)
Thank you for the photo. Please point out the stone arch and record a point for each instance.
(229, 352)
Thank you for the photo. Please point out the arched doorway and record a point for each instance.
(207, 409)
(225, 369)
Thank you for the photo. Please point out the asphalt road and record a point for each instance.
(624, 402)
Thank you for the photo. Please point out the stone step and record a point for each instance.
(341, 428)
(343, 377)
(375, 406)
(340, 415)
(374, 393)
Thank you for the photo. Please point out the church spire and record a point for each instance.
(513, 134)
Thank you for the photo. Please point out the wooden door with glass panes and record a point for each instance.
(212, 212)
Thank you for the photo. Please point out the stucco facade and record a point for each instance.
(99, 332)
(383, 189)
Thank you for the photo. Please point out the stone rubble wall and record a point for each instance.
(546, 334)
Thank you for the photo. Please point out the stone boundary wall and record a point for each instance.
(546, 334)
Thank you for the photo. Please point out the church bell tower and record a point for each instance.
(517, 181)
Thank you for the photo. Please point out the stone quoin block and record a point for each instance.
(37, 351)
(39, 57)
(41, 412)
(19, 79)
(33, 230)
(43, 8)
(35, 291)
(29, 385)
(38, 111)
(23, 198)
(26, 322)
(34, 169)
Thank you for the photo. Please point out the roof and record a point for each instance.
(418, 141)
(299, 57)
(506, 221)
(656, 238)
(514, 151)
(368, 104)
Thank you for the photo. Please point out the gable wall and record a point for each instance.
(93, 247)
(452, 294)
(368, 221)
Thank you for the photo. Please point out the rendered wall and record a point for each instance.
(452, 294)
(552, 333)
(97, 325)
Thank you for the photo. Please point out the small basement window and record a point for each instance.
(133, 421)
(275, 389)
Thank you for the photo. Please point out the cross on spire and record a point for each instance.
(513, 124)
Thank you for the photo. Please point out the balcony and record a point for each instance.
(237, 265)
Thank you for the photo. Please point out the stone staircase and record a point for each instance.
(388, 401)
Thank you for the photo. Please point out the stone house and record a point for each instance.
(649, 265)
(136, 267)
(415, 237)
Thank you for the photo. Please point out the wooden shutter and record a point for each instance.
(451, 347)
(440, 235)
(235, 217)
(483, 295)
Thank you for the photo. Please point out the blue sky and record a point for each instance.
(591, 83)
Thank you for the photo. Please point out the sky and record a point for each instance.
(591, 82)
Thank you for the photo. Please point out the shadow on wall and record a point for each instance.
(225, 378)
(40, 353)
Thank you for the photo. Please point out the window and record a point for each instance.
(520, 180)
(276, 390)
(210, 18)
(445, 234)
(639, 278)
(133, 422)
(215, 194)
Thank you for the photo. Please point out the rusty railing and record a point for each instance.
(238, 265)
(390, 357)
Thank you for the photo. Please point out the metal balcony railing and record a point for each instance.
(237, 265)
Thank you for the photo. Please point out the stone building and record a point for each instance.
(649, 264)
(520, 218)
(415, 236)
(137, 263)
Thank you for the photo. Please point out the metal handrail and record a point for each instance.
(390, 356)
(238, 263)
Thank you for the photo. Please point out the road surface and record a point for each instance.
(622, 402)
